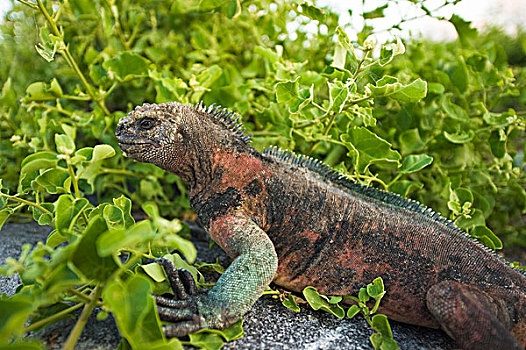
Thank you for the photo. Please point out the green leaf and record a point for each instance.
(135, 312)
(410, 141)
(344, 41)
(290, 303)
(101, 152)
(435, 88)
(389, 51)
(52, 180)
(90, 160)
(477, 61)
(39, 91)
(168, 230)
(4, 215)
(390, 87)
(206, 341)
(317, 302)
(208, 76)
(85, 256)
(230, 333)
(270, 55)
(363, 296)
(54, 239)
(125, 205)
(207, 5)
(312, 12)
(381, 325)
(15, 312)
(212, 339)
(383, 343)
(465, 33)
(61, 279)
(481, 231)
(155, 271)
(384, 338)
(459, 138)
(476, 218)
(459, 76)
(338, 95)
(115, 240)
(366, 148)
(114, 217)
(353, 311)
(41, 217)
(376, 288)
(54, 88)
(452, 110)
(126, 66)
(68, 210)
(376, 13)
(287, 93)
(405, 187)
(497, 142)
(65, 144)
(31, 166)
(415, 162)
(339, 57)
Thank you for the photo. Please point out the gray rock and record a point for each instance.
(269, 325)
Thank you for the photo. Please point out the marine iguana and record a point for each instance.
(292, 220)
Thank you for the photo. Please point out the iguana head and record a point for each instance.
(178, 138)
(153, 133)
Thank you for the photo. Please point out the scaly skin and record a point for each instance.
(286, 223)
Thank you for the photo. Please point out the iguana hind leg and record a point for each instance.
(471, 316)
(253, 268)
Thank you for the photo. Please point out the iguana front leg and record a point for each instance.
(253, 268)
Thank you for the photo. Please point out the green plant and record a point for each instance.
(441, 123)
(382, 339)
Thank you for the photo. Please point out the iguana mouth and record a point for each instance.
(128, 141)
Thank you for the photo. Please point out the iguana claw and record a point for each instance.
(182, 309)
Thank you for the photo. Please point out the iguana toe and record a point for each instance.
(181, 281)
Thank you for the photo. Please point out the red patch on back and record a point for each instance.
(239, 169)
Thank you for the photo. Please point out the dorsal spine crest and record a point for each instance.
(334, 176)
(226, 118)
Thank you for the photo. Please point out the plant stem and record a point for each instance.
(82, 296)
(118, 26)
(355, 75)
(325, 132)
(238, 10)
(51, 318)
(26, 202)
(70, 60)
(30, 4)
(52, 108)
(83, 318)
(353, 102)
(118, 171)
(395, 179)
(372, 178)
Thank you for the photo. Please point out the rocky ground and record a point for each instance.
(269, 325)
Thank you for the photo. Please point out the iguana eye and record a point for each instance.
(146, 124)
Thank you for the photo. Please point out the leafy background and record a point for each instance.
(442, 123)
